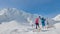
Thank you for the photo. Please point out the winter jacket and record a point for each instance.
(37, 20)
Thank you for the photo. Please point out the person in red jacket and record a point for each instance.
(37, 22)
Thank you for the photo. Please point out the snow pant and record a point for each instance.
(43, 24)
(37, 25)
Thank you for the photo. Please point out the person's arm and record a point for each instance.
(44, 19)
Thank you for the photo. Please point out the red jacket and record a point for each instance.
(37, 20)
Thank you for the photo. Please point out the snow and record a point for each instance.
(14, 21)
(1, 12)
(7, 26)
(57, 18)
(16, 28)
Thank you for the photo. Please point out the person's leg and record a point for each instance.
(36, 25)
(43, 24)
(39, 29)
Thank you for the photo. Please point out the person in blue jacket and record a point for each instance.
(43, 22)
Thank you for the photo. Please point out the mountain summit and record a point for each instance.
(57, 18)
(9, 14)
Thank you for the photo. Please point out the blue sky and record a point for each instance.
(46, 8)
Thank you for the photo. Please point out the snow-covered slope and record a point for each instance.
(9, 14)
(57, 18)
(13, 27)
(8, 26)
(16, 21)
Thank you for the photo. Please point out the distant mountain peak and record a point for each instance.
(57, 18)
(8, 14)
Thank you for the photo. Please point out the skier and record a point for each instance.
(37, 22)
(43, 22)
